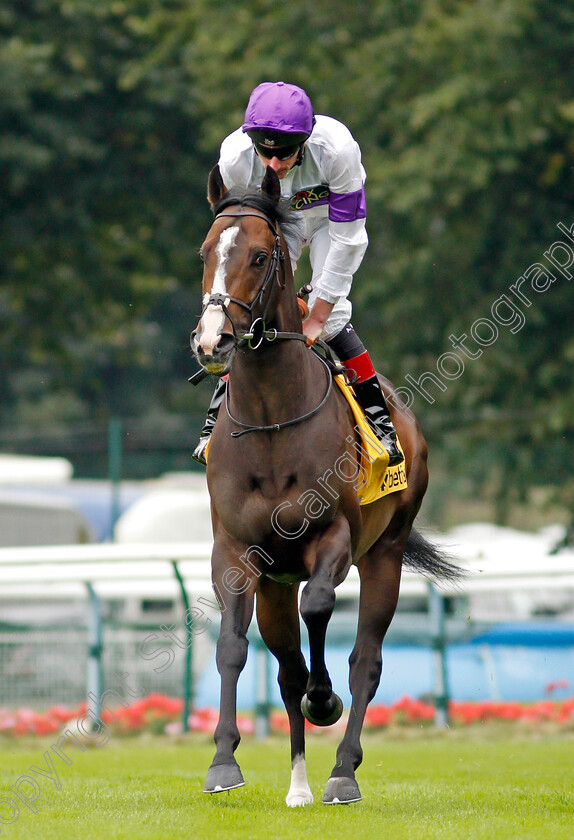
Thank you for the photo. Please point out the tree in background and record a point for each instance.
(99, 211)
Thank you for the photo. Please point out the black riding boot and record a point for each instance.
(354, 355)
(373, 403)
(212, 412)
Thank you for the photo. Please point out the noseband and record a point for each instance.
(257, 331)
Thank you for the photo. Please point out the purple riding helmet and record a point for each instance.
(279, 116)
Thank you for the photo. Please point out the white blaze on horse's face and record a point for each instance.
(213, 319)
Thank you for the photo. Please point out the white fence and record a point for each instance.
(29, 570)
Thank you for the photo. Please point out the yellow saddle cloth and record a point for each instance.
(376, 478)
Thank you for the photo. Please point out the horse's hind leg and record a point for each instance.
(278, 619)
(380, 572)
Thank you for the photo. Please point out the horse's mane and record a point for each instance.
(279, 213)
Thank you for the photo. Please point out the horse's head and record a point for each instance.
(243, 271)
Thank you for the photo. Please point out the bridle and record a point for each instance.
(257, 332)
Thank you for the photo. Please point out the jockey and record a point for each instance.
(319, 165)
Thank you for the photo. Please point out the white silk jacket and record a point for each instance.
(327, 191)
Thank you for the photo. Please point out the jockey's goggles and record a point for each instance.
(280, 152)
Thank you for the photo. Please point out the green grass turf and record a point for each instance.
(460, 785)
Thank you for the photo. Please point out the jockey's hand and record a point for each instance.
(312, 329)
(314, 325)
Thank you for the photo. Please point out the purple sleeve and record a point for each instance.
(347, 207)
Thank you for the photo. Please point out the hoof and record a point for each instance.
(223, 777)
(341, 791)
(298, 799)
(322, 714)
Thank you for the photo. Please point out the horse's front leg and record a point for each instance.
(278, 618)
(231, 655)
(331, 562)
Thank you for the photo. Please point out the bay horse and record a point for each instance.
(282, 429)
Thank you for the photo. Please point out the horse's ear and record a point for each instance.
(216, 189)
(270, 185)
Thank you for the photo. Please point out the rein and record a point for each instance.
(276, 427)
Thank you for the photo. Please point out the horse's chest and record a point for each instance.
(271, 506)
(272, 486)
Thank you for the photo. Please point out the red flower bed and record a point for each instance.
(161, 714)
(408, 711)
(155, 713)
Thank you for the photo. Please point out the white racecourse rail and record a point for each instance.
(120, 569)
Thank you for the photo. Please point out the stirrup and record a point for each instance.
(198, 453)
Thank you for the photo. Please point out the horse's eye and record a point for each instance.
(260, 259)
(201, 255)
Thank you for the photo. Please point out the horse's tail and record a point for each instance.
(422, 556)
